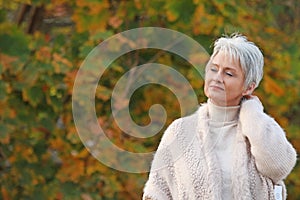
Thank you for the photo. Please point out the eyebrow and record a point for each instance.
(230, 68)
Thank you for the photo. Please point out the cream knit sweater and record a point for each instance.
(187, 163)
(223, 128)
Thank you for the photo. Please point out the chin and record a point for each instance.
(216, 97)
(218, 101)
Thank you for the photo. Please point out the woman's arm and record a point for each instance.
(274, 156)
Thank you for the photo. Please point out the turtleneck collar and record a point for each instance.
(222, 114)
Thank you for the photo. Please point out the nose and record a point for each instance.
(218, 77)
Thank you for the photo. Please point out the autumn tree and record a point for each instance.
(42, 45)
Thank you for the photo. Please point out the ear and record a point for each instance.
(249, 89)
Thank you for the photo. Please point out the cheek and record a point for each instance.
(207, 78)
(206, 93)
(235, 88)
(206, 88)
(206, 84)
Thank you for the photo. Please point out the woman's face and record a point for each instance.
(224, 81)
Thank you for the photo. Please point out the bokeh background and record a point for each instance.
(44, 42)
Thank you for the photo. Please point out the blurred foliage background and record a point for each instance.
(43, 43)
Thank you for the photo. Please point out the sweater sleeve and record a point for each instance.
(274, 156)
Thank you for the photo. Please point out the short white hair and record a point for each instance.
(245, 52)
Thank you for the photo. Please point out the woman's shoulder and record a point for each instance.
(191, 118)
(187, 123)
(181, 131)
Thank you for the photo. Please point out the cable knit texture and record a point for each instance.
(186, 164)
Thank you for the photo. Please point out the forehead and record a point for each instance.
(226, 60)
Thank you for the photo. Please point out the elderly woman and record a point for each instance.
(229, 148)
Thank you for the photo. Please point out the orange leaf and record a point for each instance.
(138, 4)
(71, 170)
(43, 53)
(272, 87)
(86, 197)
(7, 60)
(57, 144)
(5, 194)
(115, 21)
(171, 16)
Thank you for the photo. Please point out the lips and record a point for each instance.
(216, 87)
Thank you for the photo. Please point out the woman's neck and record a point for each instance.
(222, 114)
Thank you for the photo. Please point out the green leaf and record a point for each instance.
(3, 131)
(70, 190)
(14, 44)
(33, 95)
(3, 92)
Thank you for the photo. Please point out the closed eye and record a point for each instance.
(213, 69)
(229, 74)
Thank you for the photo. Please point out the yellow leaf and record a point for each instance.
(94, 166)
(83, 154)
